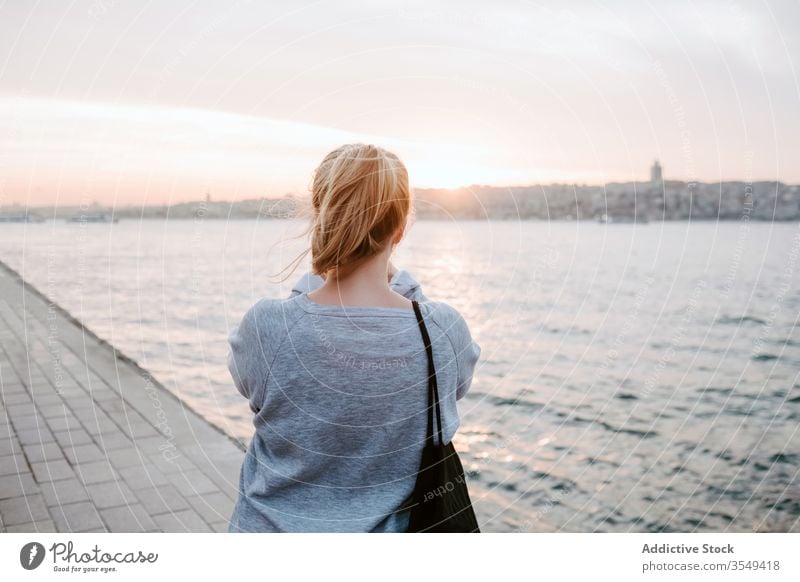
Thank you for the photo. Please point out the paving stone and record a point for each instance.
(143, 476)
(105, 395)
(46, 526)
(12, 386)
(193, 483)
(84, 453)
(152, 446)
(23, 510)
(91, 415)
(131, 518)
(16, 485)
(162, 499)
(113, 442)
(104, 426)
(9, 446)
(23, 411)
(140, 430)
(181, 521)
(71, 393)
(62, 423)
(69, 438)
(52, 471)
(35, 436)
(77, 517)
(212, 507)
(83, 405)
(96, 472)
(27, 421)
(16, 398)
(51, 400)
(43, 452)
(64, 492)
(53, 410)
(105, 495)
(40, 386)
(123, 416)
(127, 458)
(169, 464)
(226, 475)
(13, 465)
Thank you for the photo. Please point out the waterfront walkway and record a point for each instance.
(89, 442)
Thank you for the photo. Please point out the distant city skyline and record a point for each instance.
(130, 104)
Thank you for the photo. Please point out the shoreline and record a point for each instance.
(90, 440)
(123, 357)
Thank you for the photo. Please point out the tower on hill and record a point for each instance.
(655, 174)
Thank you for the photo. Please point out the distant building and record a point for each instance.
(22, 216)
(656, 177)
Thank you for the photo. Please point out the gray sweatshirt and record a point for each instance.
(339, 397)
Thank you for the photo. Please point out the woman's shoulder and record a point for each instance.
(447, 317)
(465, 350)
(273, 314)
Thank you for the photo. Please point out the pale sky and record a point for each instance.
(128, 102)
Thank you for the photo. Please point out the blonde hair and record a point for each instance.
(360, 198)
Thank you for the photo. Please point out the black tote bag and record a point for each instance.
(440, 501)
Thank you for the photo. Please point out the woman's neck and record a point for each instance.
(367, 285)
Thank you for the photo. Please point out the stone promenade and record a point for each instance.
(89, 442)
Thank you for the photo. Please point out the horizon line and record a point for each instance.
(293, 195)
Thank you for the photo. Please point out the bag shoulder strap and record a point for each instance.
(433, 387)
